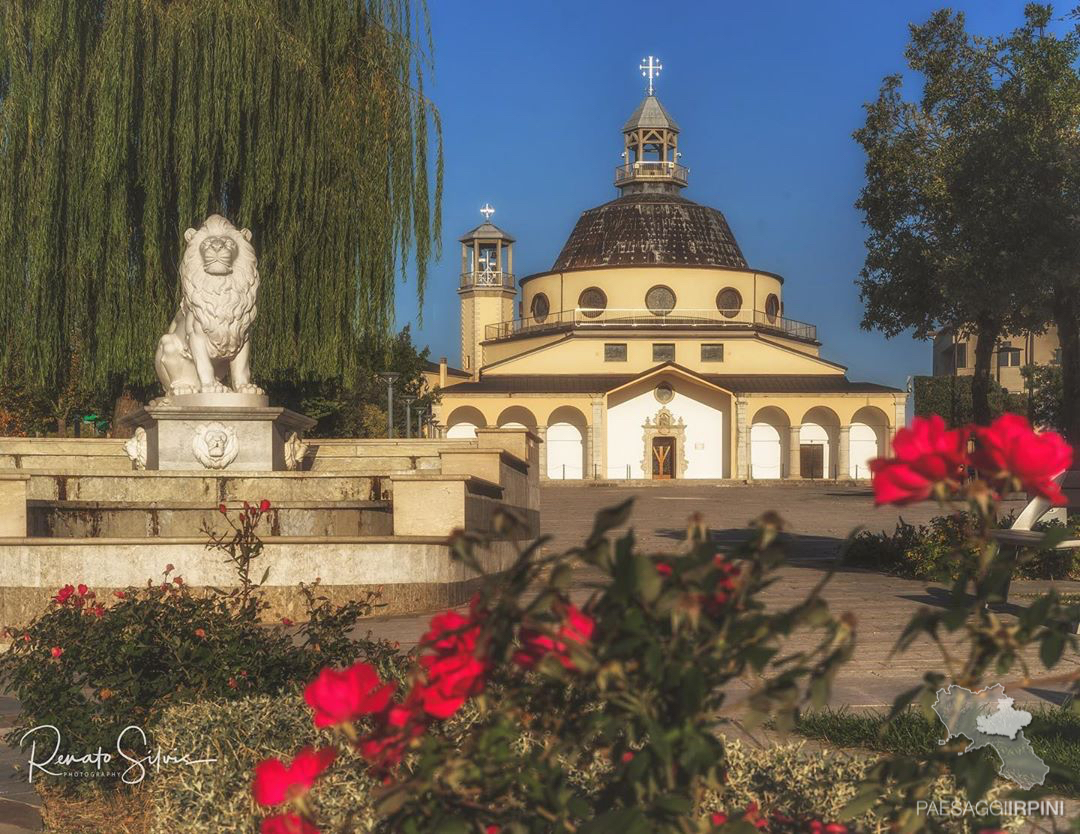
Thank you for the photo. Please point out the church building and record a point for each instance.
(651, 349)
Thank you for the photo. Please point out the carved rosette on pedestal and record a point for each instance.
(212, 416)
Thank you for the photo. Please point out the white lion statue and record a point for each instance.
(208, 337)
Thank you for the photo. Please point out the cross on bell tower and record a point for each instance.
(650, 144)
(487, 288)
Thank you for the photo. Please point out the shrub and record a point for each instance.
(91, 667)
(943, 550)
(789, 778)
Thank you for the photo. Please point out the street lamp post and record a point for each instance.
(421, 416)
(408, 414)
(389, 377)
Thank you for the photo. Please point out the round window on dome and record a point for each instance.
(592, 302)
(663, 393)
(729, 302)
(540, 308)
(660, 300)
(772, 308)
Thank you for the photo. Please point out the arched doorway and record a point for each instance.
(867, 439)
(463, 423)
(819, 438)
(565, 440)
(768, 431)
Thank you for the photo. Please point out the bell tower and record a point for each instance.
(487, 287)
(650, 145)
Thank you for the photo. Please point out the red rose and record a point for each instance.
(98, 611)
(264, 505)
(576, 627)
(454, 672)
(285, 621)
(221, 508)
(339, 696)
(119, 594)
(663, 568)
(627, 757)
(718, 819)
(83, 590)
(927, 454)
(169, 568)
(56, 651)
(64, 594)
(1008, 449)
(200, 632)
(275, 782)
(287, 824)
(492, 829)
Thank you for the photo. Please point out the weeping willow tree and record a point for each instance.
(124, 122)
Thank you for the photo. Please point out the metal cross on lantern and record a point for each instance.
(650, 68)
(487, 211)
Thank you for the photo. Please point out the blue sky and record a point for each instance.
(532, 95)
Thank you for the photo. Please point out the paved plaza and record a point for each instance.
(818, 518)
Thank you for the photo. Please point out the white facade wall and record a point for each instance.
(565, 452)
(765, 452)
(864, 447)
(626, 438)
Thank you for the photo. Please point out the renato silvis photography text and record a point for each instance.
(539, 418)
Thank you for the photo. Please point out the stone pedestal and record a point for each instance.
(199, 432)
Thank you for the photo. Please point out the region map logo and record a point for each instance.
(987, 718)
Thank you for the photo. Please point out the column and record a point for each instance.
(742, 440)
(794, 452)
(541, 432)
(596, 460)
(843, 463)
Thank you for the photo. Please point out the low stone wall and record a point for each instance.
(410, 573)
(113, 519)
(370, 515)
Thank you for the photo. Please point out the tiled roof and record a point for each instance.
(433, 368)
(599, 383)
(651, 229)
(650, 114)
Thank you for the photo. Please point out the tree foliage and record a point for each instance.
(950, 397)
(124, 122)
(951, 198)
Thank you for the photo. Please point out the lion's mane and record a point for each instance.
(224, 305)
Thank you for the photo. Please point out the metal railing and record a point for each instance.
(487, 278)
(622, 318)
(651, 169)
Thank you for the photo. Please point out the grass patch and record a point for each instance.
(1054, 734)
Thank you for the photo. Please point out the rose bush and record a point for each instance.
(91, 667)
(640, 669)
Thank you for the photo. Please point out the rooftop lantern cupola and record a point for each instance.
(650, 145)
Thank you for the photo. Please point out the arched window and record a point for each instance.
(660, 300)
(592, 302)
(540, 307)
(729, 302)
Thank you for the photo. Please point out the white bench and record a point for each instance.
(1020, 535)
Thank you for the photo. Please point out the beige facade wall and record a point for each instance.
(955, 355)
(625, 287)
(479, 308)
(746, 353)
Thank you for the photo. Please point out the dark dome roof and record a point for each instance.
(650, 228)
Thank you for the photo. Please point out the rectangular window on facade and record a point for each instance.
(960, 355)
(1008, 356)
(712, 353)
(615, 352)
(664, 352)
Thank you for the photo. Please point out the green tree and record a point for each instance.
(123, 122)
(354, 404)
(1041, 92)
(944, 248)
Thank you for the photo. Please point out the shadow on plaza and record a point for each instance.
(941, 597)
(818, 551)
